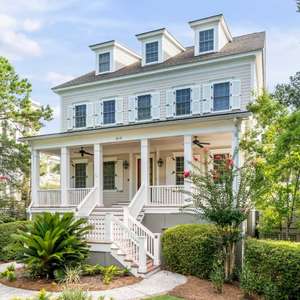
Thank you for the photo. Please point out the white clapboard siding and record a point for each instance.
(97, 113)
(207, 98)
(170, 171)
(131, 109)
(155, 106)
(170, 99)
(196, 100)
(119, 110)
(90, 115)
(235, 94)
(70, 117)
(119, 175)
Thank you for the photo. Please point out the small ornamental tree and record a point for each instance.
(224, 197)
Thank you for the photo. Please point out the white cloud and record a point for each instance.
(31, 25)
(56, 78)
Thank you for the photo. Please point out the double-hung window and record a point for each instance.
(206, 40)
(179, 170)
(109, 112)
(109, 175)
(144, 107)
(151, 52)
(104, 62)
(221, 96)
(80, 115)
(183, 102)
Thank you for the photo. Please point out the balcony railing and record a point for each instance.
(166, 195)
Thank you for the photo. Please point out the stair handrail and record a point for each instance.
(137, 203)
(87, 205)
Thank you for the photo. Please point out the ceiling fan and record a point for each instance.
(198, 143)
(82, 152)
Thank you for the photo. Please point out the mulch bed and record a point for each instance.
(198, 289)
(88, 283)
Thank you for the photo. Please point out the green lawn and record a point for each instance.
(166, 297)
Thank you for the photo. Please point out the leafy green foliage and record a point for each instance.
(72, 275)
(274, 144)
(8, 246)
(53, 241)
(92, 269)
(217, 274)
(18, 117)
(9, 273)
(272, 269)
(190, 249)
(74, 294)
(110, 272)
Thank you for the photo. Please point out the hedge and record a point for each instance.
(190, 249)
(7, 245)
(272, 269)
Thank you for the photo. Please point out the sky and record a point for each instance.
(47, 40)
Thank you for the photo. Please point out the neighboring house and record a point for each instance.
(131, 128)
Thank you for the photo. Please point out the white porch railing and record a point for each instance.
(88, 203)
(97, 233)
(48, 198)
(76, 196)
(138, 201)
(166, 195)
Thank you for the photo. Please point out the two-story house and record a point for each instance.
(131, 127)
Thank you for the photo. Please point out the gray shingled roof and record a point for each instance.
(240, 44)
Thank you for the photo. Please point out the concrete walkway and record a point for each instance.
(157, 284)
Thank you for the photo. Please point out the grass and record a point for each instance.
(166, 297)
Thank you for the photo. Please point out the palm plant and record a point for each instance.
(52, 242)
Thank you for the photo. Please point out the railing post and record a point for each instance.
(108, 228)
(64, 174)
(142, 254)
(156, 249)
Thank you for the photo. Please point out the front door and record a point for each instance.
(139, 172)
(80, 175)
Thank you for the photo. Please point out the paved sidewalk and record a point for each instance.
(158, 283)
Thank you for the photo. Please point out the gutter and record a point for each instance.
(211, 117)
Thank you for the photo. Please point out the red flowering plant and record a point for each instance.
(223, 193)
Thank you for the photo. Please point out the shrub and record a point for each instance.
(217, 274)
(74, 294)
(51, 242)
(9, 273)
(272, 269)
(92, 269)
(190, 249)
(72, 275)
(9, 247)
(110, 272)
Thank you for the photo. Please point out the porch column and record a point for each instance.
(145, 167)
(188, 155)
(157, 167)
(64, 174)
(131, 171)
(35, 174)
(98, 172)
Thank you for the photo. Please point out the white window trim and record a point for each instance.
(101, 103)
(197, 39)
(212, 95)
(137, 157)
(182, 88)
(111, 60)
(137, 109)
(159, 46)
(74, 114)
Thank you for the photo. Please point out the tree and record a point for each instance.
(18, 118)
(298, 5)
(289, 93)
(215, 197)
(275, 145)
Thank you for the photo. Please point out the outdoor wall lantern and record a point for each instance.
(125, 164)
(160, 162)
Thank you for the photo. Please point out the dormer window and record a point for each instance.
(151, 52)
(104, 62)
(206, 40)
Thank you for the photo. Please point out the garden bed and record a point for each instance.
(91, 283)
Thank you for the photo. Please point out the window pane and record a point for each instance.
(206, 40)
(179, 170)
(80, 116)
(151, 52)
(183, 102)
(144, 107)
(104, 62)
(80, 175)
(221, 96)
(109, 175)
(109, 112)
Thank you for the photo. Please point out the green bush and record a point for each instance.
(272, 269)
(51, 242)
(190, 249)
(8, 246)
